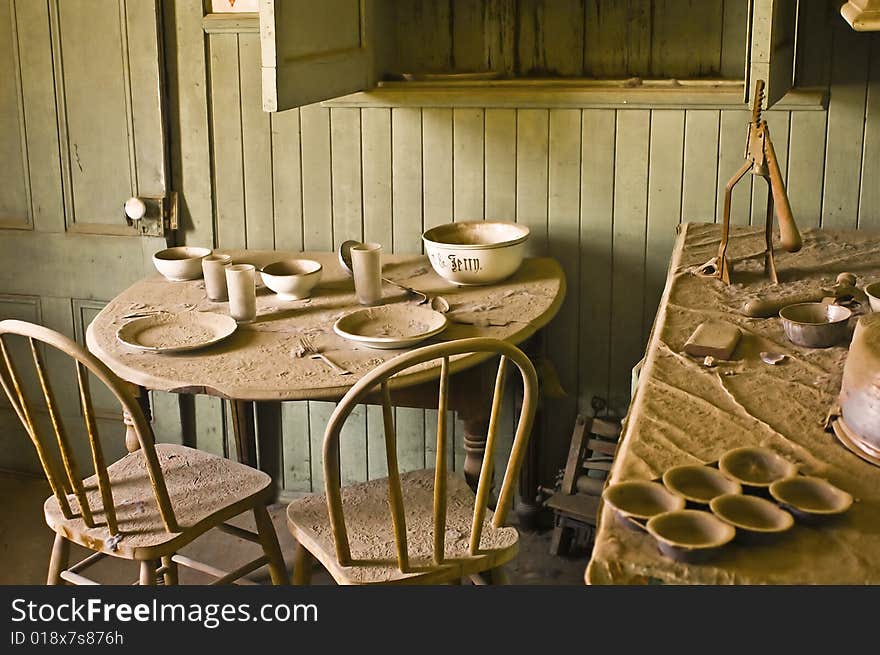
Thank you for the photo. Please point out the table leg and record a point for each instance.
(476, 428)
(269, 440)
(143, 399)
(244, 431)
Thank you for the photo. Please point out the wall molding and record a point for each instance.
(574, 93)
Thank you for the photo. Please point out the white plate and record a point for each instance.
(170, 333)
(390, 326)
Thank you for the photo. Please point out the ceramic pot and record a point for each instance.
(860, 389)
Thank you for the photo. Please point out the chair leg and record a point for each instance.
(58, 561)
(171, 570)
(302, 565)
(498, 576)
(269, 541)
(148, 572)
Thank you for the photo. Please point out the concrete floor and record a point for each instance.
(25, 543)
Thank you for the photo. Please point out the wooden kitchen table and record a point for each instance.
(257, 366)
(685, 413)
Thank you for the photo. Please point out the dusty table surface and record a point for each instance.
(257, 362)
(685, 413)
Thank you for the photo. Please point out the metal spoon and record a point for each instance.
(344, 254)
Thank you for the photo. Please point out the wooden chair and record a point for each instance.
(148, 504)
(437, 530)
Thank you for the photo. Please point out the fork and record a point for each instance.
(307, 347)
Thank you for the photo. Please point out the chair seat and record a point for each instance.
(371, 536)
(204, 489)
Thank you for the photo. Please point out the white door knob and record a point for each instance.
(135, 208)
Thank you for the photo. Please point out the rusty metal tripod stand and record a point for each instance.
(760, 160)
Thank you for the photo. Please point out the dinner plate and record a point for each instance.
(170, 333)
(390, 326)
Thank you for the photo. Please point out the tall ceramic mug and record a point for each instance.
(366, 264)
(214, 269)
(242, 287)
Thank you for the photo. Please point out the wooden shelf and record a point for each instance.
(583, 93)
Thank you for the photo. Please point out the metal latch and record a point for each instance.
(151, 216)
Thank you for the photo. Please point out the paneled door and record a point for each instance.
(82, 129)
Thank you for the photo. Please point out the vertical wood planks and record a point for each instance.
(846, 113)
(437, 178)
(316, 186)
(500, 164)
(467, 140)
(286, 180)
(467, 35)
(376, 173)
(686, 38)
(733, 38)
(869, 197)
(406, 173)
(700, 166)
(617, 38)
(597, 236)
(806, 166)
(664, 204)
(230, 229)
(731, 148)
(256, 135)
(532, 133)
(628, 246)
(551, 37)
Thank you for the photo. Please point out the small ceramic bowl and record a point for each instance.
(815, 324)
(292, 279)
(640, 500)
(808, 497)
(873, 293)
(689, 535)
(753, 517)
(180, 263)
(753, 466)
(699, 484)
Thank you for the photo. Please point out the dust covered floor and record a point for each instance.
(25, 543)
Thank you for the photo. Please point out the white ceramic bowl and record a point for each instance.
(180, 263)
(292, 279)
(476, 252)
(873, 293)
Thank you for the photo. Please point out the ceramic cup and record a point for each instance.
(242, 287)
(366, 264)
(214, 270)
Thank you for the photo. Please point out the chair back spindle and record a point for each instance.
(382, 377)
(70, 481)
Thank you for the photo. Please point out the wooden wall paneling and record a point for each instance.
(698, 194)
(467, 35)
(806, 166)
(532, 134)
(377, 465)
(317, 194)
(423, 36)
(617, 38)
(376, 173)
(628, 247)
(296, 446)
(287, 180)
(846, 115)
(814, 41)
(319, 414)
(468, 168)
(167, 425)
(563, 220)
(437, 177)
(407, 226)
(500, 164)
(597, 235)
(733, 38)
(91, 73)
(15, 206)
(211, 425)
(345, 159)
(190, 138)
(551, 37)
(664, 204)
(256, 148)
(686, 38)
(500, 21)
(39, 106)
(230, 229)
(731, 148)
(869, 196)
(779, 124)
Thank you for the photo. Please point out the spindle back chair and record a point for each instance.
(341, 528)
(99, 512)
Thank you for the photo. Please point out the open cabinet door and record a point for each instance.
(770, 48)
(313, 51)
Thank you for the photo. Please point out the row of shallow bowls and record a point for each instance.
(754, 494)
(466, 253)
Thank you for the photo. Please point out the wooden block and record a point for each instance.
(713, 338)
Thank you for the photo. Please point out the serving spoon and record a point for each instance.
(345, 261)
